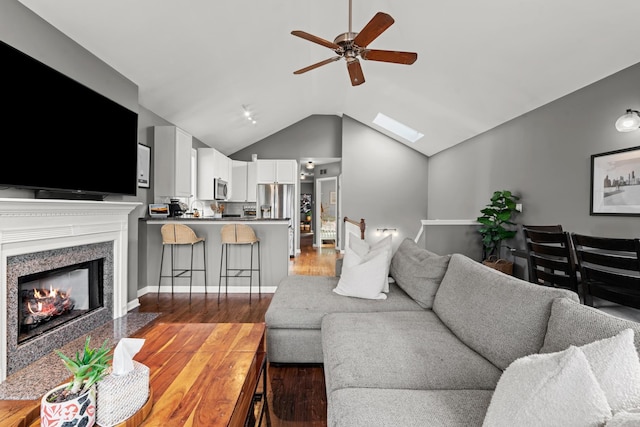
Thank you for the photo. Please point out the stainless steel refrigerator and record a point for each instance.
(278, 201)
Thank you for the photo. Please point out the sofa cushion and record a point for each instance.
(300, 302)
(366, 407)
(362, 248)
(412, 350)
(542, 389)
(571, 323)
(418, 272)
(499, 316)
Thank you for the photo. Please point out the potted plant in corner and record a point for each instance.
(74, 403)
(495, 216)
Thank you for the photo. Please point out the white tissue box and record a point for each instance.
(118, 397)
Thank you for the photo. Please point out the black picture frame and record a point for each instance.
(615, 182)
(144, 165)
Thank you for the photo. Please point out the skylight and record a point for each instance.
(394, 126)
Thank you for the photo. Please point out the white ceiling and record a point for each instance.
(480, 63)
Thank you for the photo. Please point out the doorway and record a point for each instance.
(327, 211)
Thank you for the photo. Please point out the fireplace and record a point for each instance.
(51, 298)
(77, 279)
(38, 235)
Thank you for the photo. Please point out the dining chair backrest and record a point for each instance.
(610, 268)
(551, 260)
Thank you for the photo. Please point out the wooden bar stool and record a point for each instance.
(179, 234)
(238, 234)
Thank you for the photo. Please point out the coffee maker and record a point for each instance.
(175, 208)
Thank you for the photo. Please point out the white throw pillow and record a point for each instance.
(555, 389)
(364, 280)
(615, 364)
(362, 249)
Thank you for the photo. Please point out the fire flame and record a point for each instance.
(47, 303)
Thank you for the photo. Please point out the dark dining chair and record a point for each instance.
(610, 268)
(550, 228)
(551, 259)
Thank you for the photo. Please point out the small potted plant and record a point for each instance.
(74, 403)
(495, 216)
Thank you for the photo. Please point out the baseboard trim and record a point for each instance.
(133, 304)
(166, 289)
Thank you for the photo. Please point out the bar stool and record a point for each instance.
(179, 234)
(238, 234)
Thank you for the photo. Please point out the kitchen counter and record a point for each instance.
(228, 220)
(274, 248)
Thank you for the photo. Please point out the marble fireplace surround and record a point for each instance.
(37, 225)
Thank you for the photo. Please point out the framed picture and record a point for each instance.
(615, 182)
(333, 197)
(144, 162)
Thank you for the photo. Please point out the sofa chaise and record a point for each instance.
(434, 351)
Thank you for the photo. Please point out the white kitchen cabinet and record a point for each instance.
(239, 180)
(252, 182)
(280, 171)
(222, 166)
(172, 162)
(243, 178)
(212, 164)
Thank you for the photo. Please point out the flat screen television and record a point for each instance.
(59, 136)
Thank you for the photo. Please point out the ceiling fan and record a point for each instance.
(352, 45)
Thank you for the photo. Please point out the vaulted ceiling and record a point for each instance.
(480, 63)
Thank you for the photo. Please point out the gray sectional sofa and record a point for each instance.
(395, 362)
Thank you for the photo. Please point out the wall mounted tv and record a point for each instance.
(60, 136)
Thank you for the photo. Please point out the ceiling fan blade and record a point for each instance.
(355, 72)
(389, 56)
(316, 65)
(380, 22)
(315, 39)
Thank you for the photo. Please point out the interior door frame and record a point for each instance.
(318, 204)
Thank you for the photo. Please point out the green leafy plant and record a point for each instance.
(495, 216)
(89, 367)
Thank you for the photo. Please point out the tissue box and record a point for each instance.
(118, 397)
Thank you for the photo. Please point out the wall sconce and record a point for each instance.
(392, 231)
(629, 121)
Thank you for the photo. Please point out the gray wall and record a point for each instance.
(544, 156)
(383, 181)
(316, 136)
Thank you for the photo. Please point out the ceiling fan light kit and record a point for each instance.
(351, 45)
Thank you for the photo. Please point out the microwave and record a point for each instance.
(220, 189)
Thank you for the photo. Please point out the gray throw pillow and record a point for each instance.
(418, 272)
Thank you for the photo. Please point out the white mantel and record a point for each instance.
(33, 225)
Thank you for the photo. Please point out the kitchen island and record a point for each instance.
(274, 251)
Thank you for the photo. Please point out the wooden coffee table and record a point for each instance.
(201, 374)
(205, 374)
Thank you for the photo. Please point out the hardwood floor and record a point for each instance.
(296, 394)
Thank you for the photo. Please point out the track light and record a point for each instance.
(248, 115)
(629, 121)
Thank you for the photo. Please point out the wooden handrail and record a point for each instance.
(360, 224)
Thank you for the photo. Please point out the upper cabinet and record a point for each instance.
(212, 164)
(243, 177)
(172, 162)
(280, 171)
